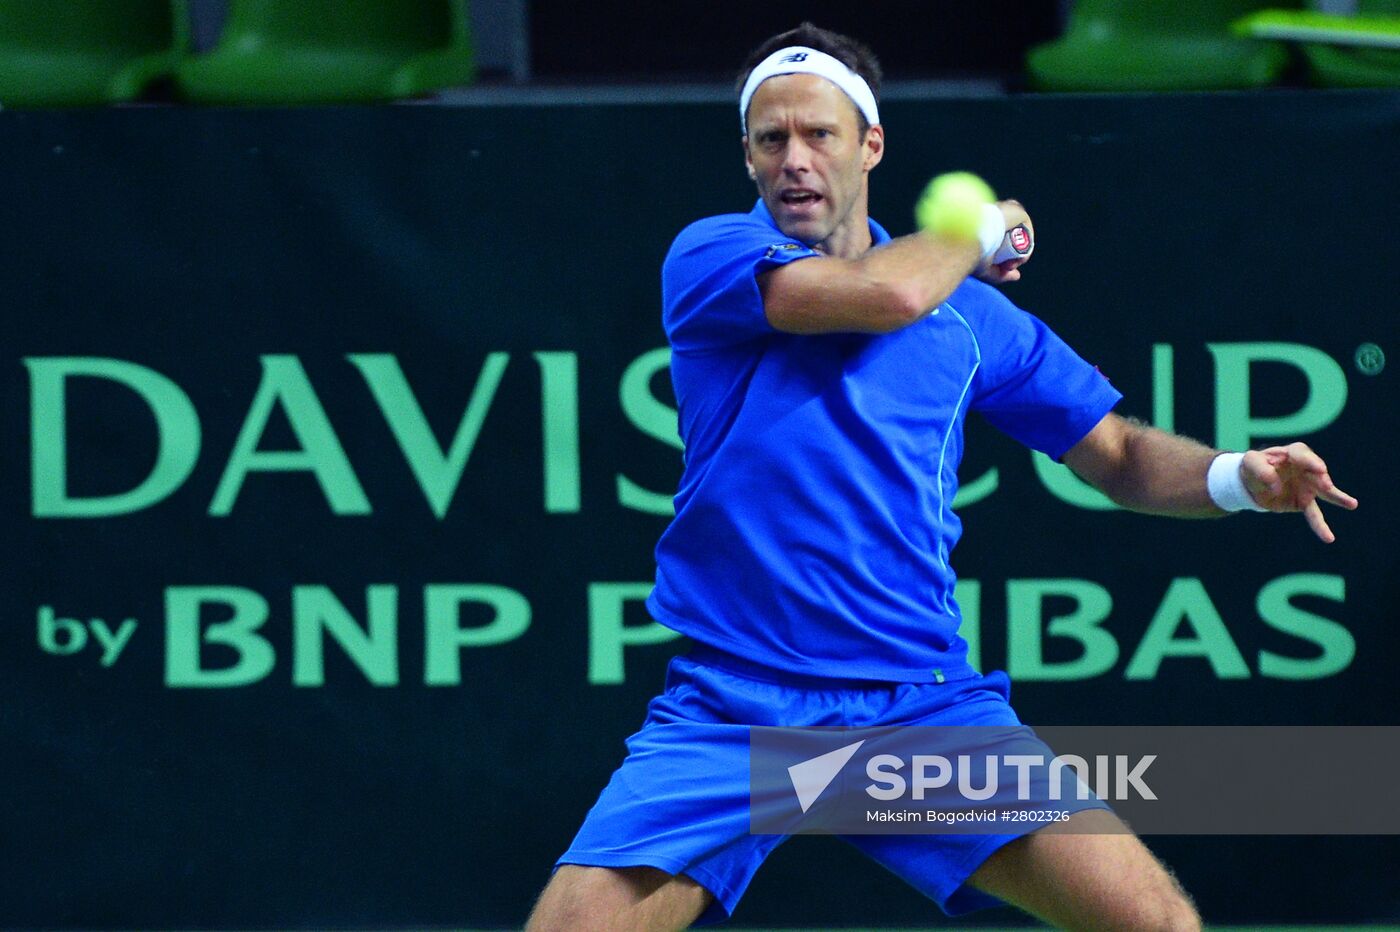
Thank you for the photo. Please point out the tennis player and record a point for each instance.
(823, 372)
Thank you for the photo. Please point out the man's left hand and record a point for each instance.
(1293, 478)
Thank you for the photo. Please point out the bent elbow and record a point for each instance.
(900, 307)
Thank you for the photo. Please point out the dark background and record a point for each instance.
(711, 40)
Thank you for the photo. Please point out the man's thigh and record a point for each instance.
(679, 803)
(1088, 873)
(579, 899)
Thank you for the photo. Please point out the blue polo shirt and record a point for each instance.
(813, 521)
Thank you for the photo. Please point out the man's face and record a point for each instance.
(806, 154)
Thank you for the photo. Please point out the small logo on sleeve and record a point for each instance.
(780, 247)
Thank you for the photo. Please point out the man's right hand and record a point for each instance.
(1009, 270)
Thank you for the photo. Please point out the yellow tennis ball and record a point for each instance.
(952, 204)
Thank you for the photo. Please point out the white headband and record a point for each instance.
(797, 59)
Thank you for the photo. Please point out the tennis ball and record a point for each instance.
(952, 204)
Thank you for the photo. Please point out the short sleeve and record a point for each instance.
(1030, 384)
(709, 281)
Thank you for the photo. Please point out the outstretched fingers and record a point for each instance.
(1320, 483)
(1296, 478)
(1318, 523)
(1335, 496)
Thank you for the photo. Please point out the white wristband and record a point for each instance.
(991, 231)
(1226, 485)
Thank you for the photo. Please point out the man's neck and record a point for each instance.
(852, 237)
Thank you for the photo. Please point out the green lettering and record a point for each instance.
(1236, 428)
(284, 383)
(316, 611)
(74, 634)
(559, 396)
(652, 418)
(437, 473)
(1025, 607)
(177, 436)
(1186, 600)
(608, 636)
(444, 638)
(182, 636)
(1163, 387)
(1278, 611)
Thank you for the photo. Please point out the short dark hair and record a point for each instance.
(851, 53)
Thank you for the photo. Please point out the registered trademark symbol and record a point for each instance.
(1370, 359)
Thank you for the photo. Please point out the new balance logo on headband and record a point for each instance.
(799, 59)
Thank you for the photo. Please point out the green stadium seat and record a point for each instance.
(332, 51)
(1358, 50)
(1332, 66)
(86, 52)
(1155, 45)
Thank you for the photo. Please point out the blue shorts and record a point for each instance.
(680, 800)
